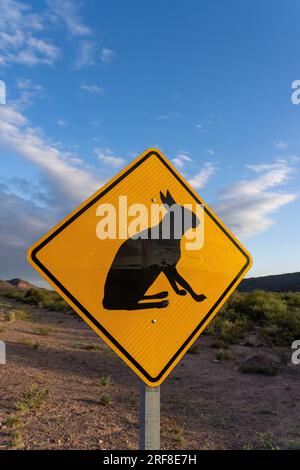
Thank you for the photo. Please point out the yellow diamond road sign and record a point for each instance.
(145, 262)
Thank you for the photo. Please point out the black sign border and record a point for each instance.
(87, 314)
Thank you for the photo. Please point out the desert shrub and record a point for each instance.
(292, 299)
(282, 328)
(14, 294)
(105, 400)
(105, 380)
(262, 369)
(31, 400)
(55, 305)
(224, 355)
(229, 331)
(39, 297)
(257, 305)
(277, 314)
(19, 314)
(34, 296)
(42, 331)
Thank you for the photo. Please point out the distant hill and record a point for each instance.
(20, 283)
(276, 283)
(4, 285)
(15, 284)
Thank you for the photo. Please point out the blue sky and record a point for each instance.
(91, 84)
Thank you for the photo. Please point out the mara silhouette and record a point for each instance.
(142, 258)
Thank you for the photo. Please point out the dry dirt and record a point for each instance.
(205, 404)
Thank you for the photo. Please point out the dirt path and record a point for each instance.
(63, 367)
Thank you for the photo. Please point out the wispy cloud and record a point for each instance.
(68, 179)
(29, 208)
(66, 12)
(181, 159)
(28, 92)
(106, 156)
(20, 36)
(280, 145)
(86, 54)
(23, 218)
(92, 88)
(247, 206)
(201, 178)
(62, 122)
(107, 55)
(200, 127)
(2, 92)
(165, 117)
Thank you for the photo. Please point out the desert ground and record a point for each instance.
(63, 388)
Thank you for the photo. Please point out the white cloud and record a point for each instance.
(67, 13)
(69, 181)
(61, 122)
(20, 40)
(28, 92)
(200, 127)
(22, 221)
(280, 145)
(86, 54)
(107, 55)
(210, 151)
(92, 88)
(201, 178)
(2, 92)
(106, 156)
(181, 158)
(247, 205)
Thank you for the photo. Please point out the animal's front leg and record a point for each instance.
(180, 280)
(170, 274)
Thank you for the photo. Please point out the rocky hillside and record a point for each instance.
(15, 283)
(277, 283)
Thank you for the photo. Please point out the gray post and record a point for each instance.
(150, 418)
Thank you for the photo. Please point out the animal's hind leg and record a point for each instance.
(146, 305)
(160, 295)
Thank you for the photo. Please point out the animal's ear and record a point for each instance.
(163, 198)
(170, 199)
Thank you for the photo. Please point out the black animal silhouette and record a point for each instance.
(141, 259)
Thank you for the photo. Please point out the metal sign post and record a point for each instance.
(150, 418)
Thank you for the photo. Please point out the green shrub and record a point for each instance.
(229, 331)
(11, 316)
(32, 400)
(257, 305)
(19, 314)
(292, 299)
(42, 331)
(104, 400)
(105, 380)
(277, 314)
(14, 294)
(224, 355)
(271, 369)
(34, 296)
(282, 329)
(88, 346)
(12, 421)
(39, 297)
